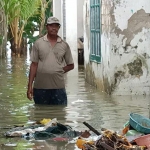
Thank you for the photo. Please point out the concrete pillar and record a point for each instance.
(57, 12)
(80, 4)
(71, 27)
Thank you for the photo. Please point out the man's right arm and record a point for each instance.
(32, 74)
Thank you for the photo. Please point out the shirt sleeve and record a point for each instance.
(34, 57)
(68, 56)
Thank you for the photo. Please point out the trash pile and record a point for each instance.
(44, 129)
(134, 136)
(108, 140)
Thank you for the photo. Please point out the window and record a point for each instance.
(95, 39)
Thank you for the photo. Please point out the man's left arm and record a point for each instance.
(69, 60)
(68, 68)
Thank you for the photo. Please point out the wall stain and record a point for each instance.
(146, 56)
(135, 67)
(118, 76)
(91, 79)
(89, 75)
(136, 23)
(107, 87)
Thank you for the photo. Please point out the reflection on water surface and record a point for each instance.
(84, 104)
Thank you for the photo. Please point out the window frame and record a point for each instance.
(95, 31)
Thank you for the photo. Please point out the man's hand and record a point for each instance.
(68, 68)
(30, 93)
(32, 74)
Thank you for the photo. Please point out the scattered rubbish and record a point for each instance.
(135, 134)
(10, 144)
(132, 137)
(45, 121)
(44, 129)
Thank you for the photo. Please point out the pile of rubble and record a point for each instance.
(107, 140)
(110, 140)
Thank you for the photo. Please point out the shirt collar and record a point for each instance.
(59, 39)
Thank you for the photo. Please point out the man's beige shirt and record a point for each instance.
(51, 60)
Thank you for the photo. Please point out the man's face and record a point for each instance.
(52, 29)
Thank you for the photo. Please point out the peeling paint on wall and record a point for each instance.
(136, 23)
(124, 9)
(125, 42)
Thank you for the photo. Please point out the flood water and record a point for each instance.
(85, 103)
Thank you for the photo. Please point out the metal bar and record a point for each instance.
(91, 128)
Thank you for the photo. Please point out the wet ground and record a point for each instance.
(85, 103)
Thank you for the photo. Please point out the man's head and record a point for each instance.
(52, 25)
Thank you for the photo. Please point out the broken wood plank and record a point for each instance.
(106, 146)
(91, 128)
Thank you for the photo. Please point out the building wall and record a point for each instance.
(74, 23)
(57, 12)
(71, 27)
(80, 4)
(124, 69)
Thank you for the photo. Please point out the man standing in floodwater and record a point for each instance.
(50, 58)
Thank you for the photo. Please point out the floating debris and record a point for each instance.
(107, 140)
(10, 144)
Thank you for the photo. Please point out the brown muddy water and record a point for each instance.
(85, 103)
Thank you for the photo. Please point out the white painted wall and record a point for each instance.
(80, 18)
(71, 27)
(135, 38)
(124, 39)
(57, 12)
(86, 23)
(74, 22)
(125, 9)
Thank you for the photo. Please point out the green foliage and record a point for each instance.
(17, 13)
(48, 13)
(33, 24)
(28, 13)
